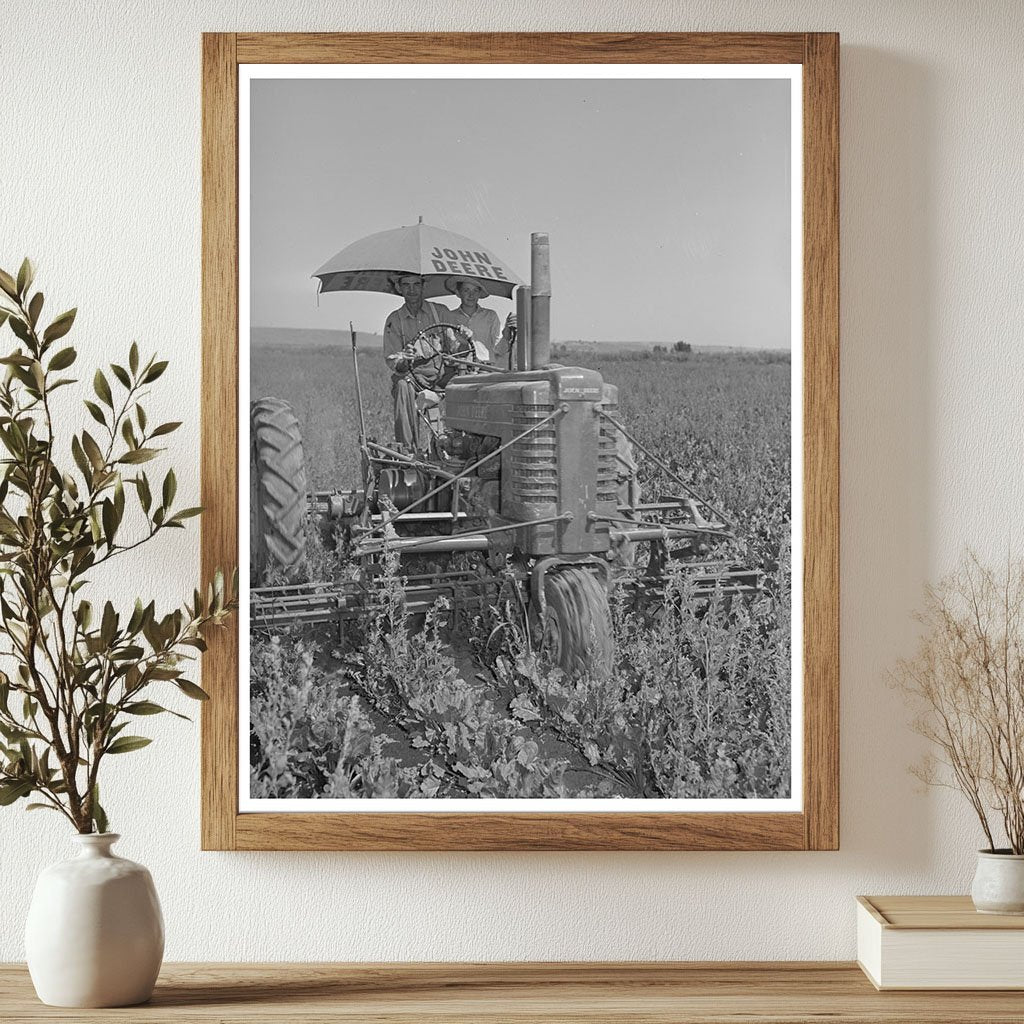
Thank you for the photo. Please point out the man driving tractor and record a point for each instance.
(400, 330)
(416, 378)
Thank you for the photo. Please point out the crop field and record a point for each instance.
(698, 702)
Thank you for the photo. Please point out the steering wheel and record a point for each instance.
(440, 352)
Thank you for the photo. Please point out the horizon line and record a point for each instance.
(554, 341)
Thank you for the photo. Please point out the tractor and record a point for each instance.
(530, 468)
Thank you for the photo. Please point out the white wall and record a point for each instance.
(99, 181)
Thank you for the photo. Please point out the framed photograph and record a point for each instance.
(520, 419)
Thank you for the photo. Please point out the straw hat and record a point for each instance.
(452, 283)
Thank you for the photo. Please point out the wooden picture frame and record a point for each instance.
(816, 827)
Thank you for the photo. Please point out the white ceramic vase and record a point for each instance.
(95, 934)
(999, 883)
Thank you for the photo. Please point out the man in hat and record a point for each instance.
(483, 322)
(400, 330)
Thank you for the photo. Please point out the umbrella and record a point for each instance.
(371, 264)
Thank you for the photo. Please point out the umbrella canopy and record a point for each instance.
(373, 263)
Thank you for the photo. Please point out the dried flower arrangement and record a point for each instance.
(967, 682)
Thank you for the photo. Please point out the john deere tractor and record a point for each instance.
(530, 468)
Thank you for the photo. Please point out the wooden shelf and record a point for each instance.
(658, 993)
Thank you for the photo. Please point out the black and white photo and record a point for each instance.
(520, 383)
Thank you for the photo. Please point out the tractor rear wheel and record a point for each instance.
(277, 488)
(577, 627)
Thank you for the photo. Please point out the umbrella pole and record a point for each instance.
(359, 390)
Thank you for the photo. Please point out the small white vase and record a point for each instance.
(999, 883)
(95, 934)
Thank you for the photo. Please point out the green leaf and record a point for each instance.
(126, 744)
(95, 412)
(191, 690)
(128, 433)
(20, 328)
(166, 428)
(138, 614)
(138, 455)
(95, 711)
(133, 358)
(26, 274)
(63, 359)
(16, 359)
(10, 442)
(132, 679)
(108, 626)
(7, 283)
(130, 653)
(185, 513)
(170, 488)
(102, 388)
(35, 308)
(94, 525)
(119, 499)
(99, 816)
(154, 372)
(60, 326)
(147, 707)
(80, 459)
(140, 415)
(92, 449)
(109, 521)
(14, 790)
(169, 673)
(145, 497)
(12, 733)
(121, 374)
(144, 707)
(151, 631)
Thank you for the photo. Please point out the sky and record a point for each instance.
(667, 201)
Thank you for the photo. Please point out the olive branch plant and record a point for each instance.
(80, 674)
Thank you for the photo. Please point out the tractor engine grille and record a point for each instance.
(534, 460)
(607, 461)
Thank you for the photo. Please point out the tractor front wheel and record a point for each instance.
(577, 626)
(277, 488)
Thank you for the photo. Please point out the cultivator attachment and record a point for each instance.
(315, 604)
(466, 594)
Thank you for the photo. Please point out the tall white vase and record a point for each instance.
(95, 934)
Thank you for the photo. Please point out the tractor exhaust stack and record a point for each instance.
(540, 300)
(522, 359)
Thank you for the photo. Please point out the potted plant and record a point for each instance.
(81, 671)
(967, 681)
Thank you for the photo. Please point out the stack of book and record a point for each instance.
(938, 942)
